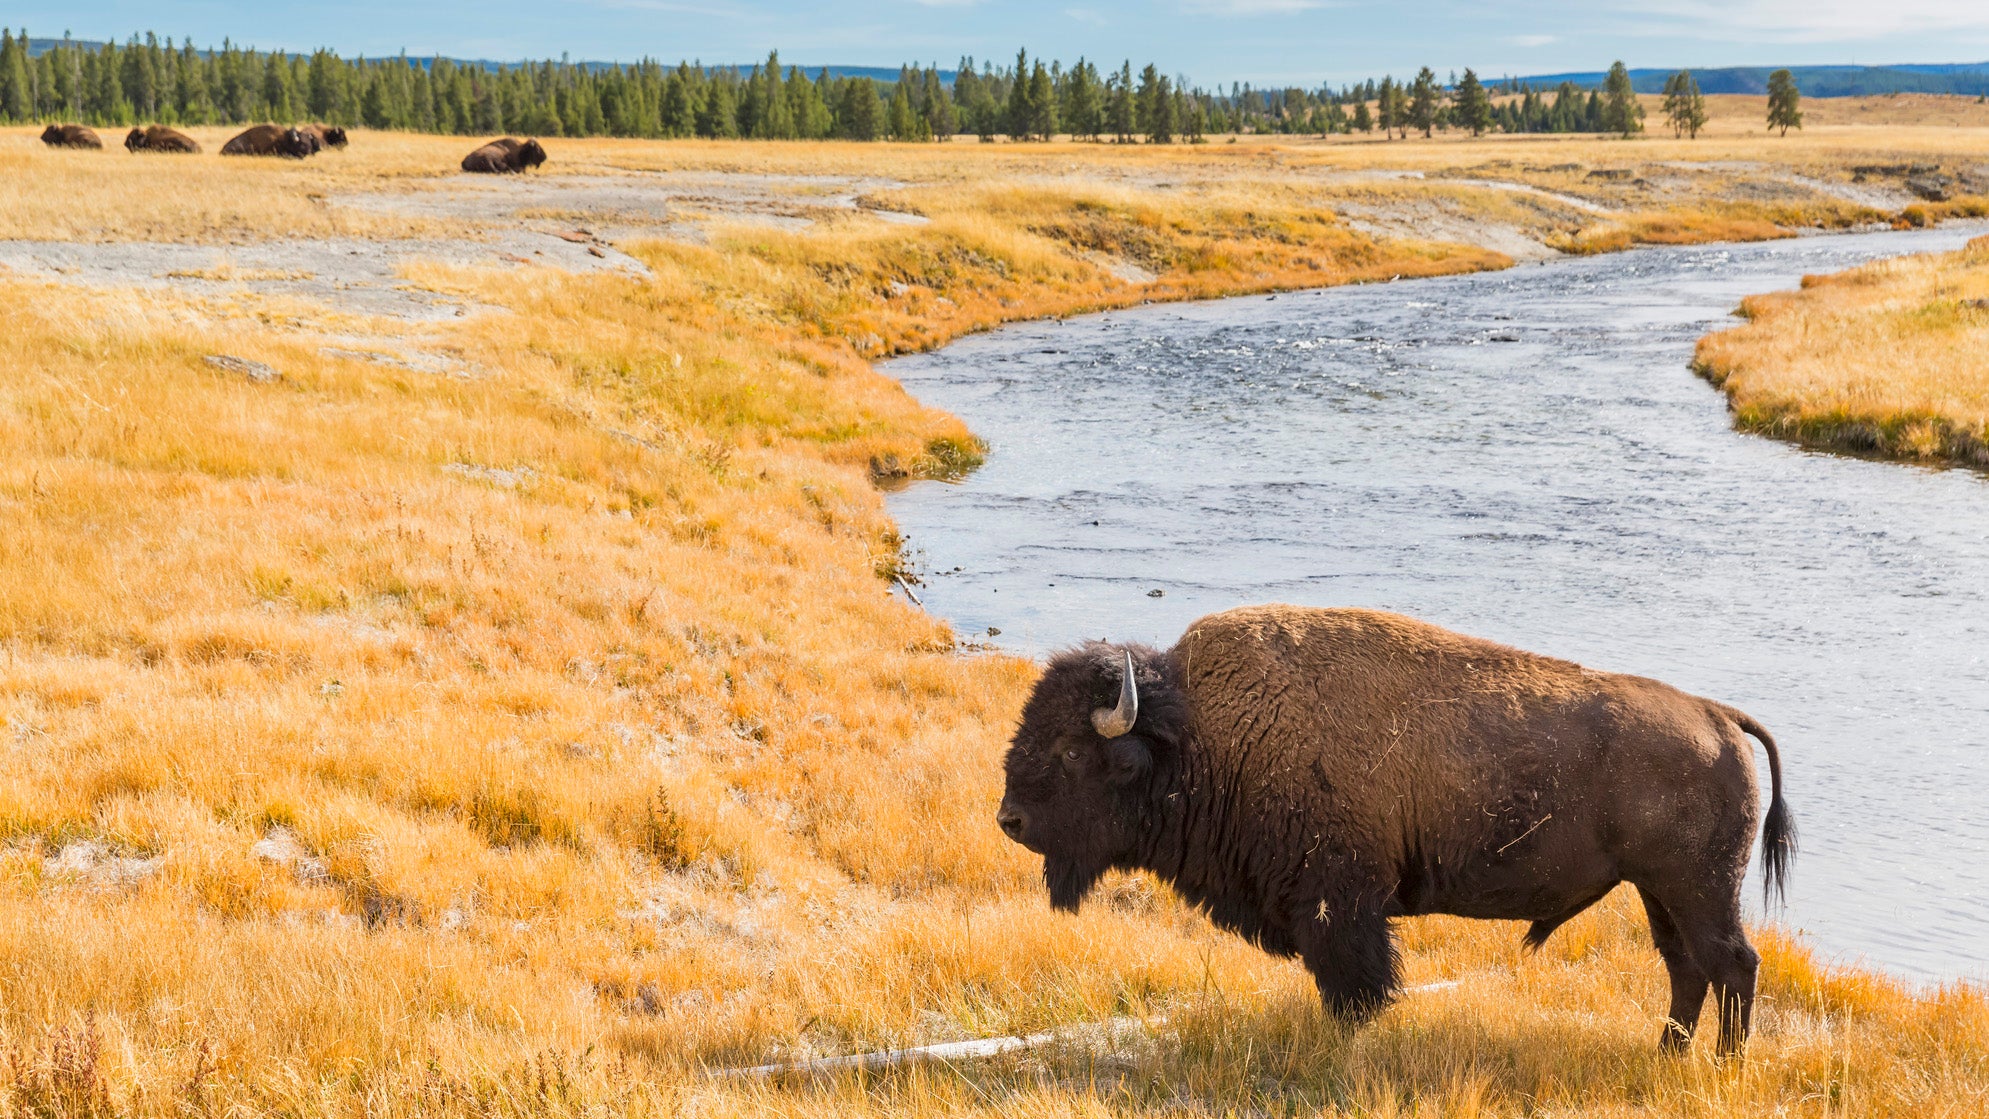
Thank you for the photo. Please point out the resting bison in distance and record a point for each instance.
(159, 138)
(269, 139)
(71, 136)
(1306, 775)
(327, 135)
(503, 156)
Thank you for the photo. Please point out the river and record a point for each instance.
(1526, 456)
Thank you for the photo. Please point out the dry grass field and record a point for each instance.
(1891, 358)
(494, 702)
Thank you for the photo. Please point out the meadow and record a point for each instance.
(1888, 359)
(533, 728)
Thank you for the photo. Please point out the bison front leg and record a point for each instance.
(1352, 960)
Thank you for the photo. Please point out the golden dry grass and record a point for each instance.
(524, 742)
(1889, 358)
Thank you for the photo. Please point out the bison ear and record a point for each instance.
(1127, 759)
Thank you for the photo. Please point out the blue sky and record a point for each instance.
(1295, 41)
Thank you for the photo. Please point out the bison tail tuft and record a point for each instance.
(1778, 829)
(1778, 849)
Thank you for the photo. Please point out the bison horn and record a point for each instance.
(1119, 720)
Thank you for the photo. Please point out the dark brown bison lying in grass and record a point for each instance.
(159, 138)
(270, 139)
(506, 155)
(327, 135)
(71, 136)
(1307, 775)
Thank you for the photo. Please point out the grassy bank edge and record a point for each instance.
(1899, 430)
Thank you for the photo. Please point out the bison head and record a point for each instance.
(530, 154)
(296, 143)
(1080, 766)
(334, 137)
(134, 140)
(52, 135)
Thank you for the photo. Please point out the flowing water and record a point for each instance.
(1525, 456)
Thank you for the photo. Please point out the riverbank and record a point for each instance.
(486, 696)
(1887, 359)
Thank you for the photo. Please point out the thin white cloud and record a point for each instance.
(1249, 7)
(727, 12)
(1826, 21)
(1532, 40)
(1087, 15)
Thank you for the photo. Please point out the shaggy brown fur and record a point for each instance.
(506, 155)
(1307, 775)
(271, 139)
(71, 136)
(327, 135)
(159, 138)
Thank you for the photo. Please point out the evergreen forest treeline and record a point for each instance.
(149, 79)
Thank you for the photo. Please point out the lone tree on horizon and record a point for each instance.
(1684, 106)
(1784, 102)
(1620, 109)
(1472, 107)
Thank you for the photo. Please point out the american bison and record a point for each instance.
(1306, 775)
(504, 156)
(159, 138)
(327, 135)
(71, 136)
(270, 139)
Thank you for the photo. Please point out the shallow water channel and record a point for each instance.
(1525, 456)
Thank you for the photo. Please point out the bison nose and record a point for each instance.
(1011, 822)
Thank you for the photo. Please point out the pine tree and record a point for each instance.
(276, 89)
(1423, 102)
(1083, 102)
(937, 108)
(1621, 112)
(776, 114)
(1384, 98)
(190, 86)
(15, 104)
(1684, 106)
(1020, 111)
(1188, 115)
(1784, 102)
(1155, 106)
(1473, 108)
(813, 119)
(141, 80)
(901, 120)
(322, 95)
(718, 116)
(1122, 108)
(1042, 102)
(1363, 119)
(861, 113)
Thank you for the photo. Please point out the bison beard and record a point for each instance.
(1305, 777)
(1069, 882)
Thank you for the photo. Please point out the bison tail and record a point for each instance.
(1778, 831)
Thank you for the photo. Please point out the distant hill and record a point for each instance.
(1969, 78)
